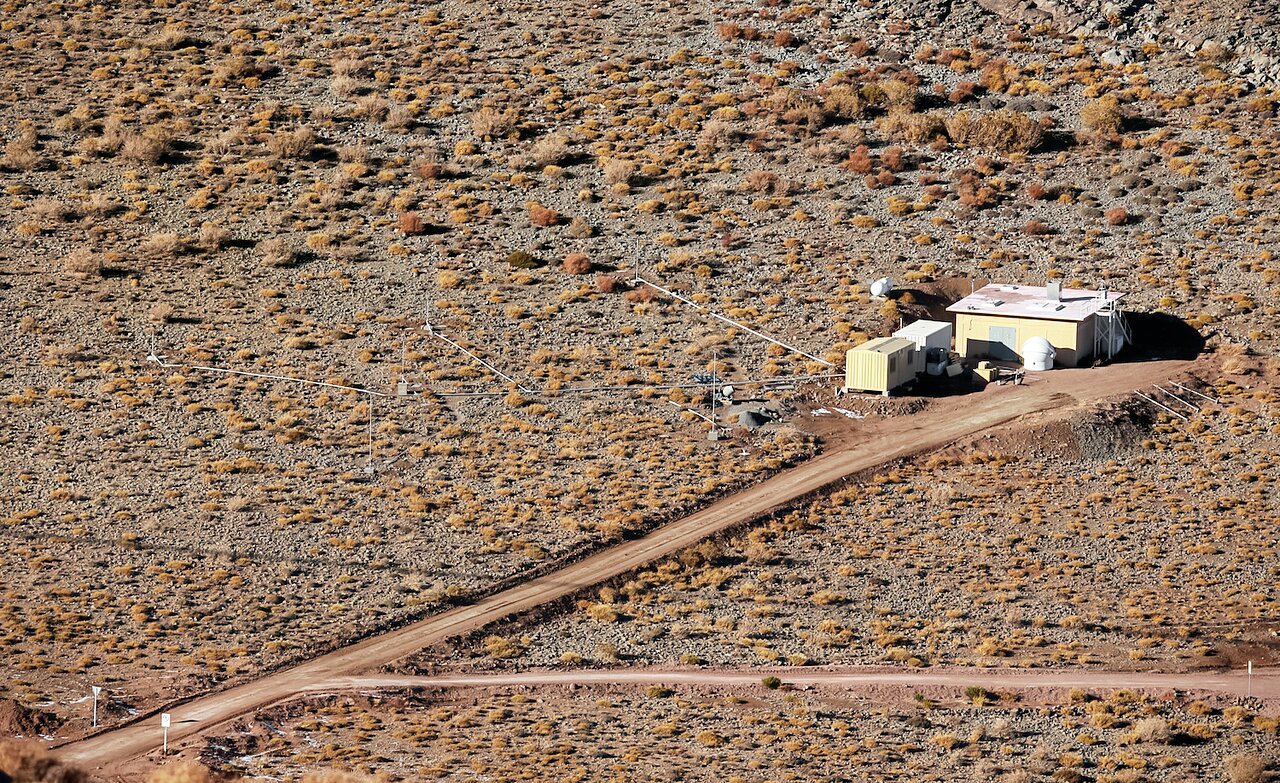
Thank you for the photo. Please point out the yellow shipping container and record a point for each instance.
(882, 365)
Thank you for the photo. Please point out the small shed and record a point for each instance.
(928, 334)
(882, 365)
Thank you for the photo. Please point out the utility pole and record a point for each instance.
(369, 468)
(715, 381)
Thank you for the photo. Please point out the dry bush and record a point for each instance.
(183, 772)
(162, 246)
(349, 66)
(428, 167)
(963, 91)
(1116, 216)
(144, 148)
(82, 263)
(399, 118)
(714, 136)
(577, 264)
(411, 224)
(859, 161)
(1245, 768)
(332, 776)
(521, 259)
(1151, 730)
(100, 206)
(912, 127)
(728, 30)
(50, 210)
(228, 140)
(75, 120)
(606, 284)
(898, 95)
(550, 150)
(1005, 131)
(371, 107)
(760, 181)
(344, 87)
(1036, 228)
(542, 216)
(172, 37)
(353, 154)
(641, 295)
(797, 108)
(276, 251)
(162, 313)
(974, 192)
(844, 102)
(24, 762)
(1103, 116)
(489, 123)
(293, 144)
(213, 237)
(21, 155)
(785, 39)
(617, 170)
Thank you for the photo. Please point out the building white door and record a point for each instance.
(1002, 343)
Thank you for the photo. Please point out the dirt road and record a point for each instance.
(1265, 682)
(878, 443)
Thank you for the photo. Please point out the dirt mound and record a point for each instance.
(19, 721)
(1108, 431)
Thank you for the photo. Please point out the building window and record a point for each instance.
(893, 364)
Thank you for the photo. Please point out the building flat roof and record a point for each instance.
(922, 328)
(1032, 301)
(885, 345)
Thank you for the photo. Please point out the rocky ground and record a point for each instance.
(1114, 540)
(687, 733)
(298, 189)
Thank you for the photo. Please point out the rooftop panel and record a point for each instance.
(1032, 301)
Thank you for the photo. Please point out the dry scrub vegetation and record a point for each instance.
(292, 188)
(707, 734)
(1111, 544)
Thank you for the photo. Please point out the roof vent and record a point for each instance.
(1053, 291)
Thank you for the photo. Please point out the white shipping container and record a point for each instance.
(928, 334)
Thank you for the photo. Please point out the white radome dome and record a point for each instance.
(881, 287)
(1038, 354)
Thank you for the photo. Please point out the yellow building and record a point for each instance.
(995, 321)
(882, 365)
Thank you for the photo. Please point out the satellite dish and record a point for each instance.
(881, 288)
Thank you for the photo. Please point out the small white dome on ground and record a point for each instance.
(881, 287)
(1038, 354)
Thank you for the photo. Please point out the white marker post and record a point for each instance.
(96, 690)
(165, 720)
(1248, 690)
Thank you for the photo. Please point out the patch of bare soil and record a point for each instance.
(19, 721)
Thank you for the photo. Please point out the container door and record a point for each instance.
(1002, 343)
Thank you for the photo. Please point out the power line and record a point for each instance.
(152, 357)
(730, 321)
